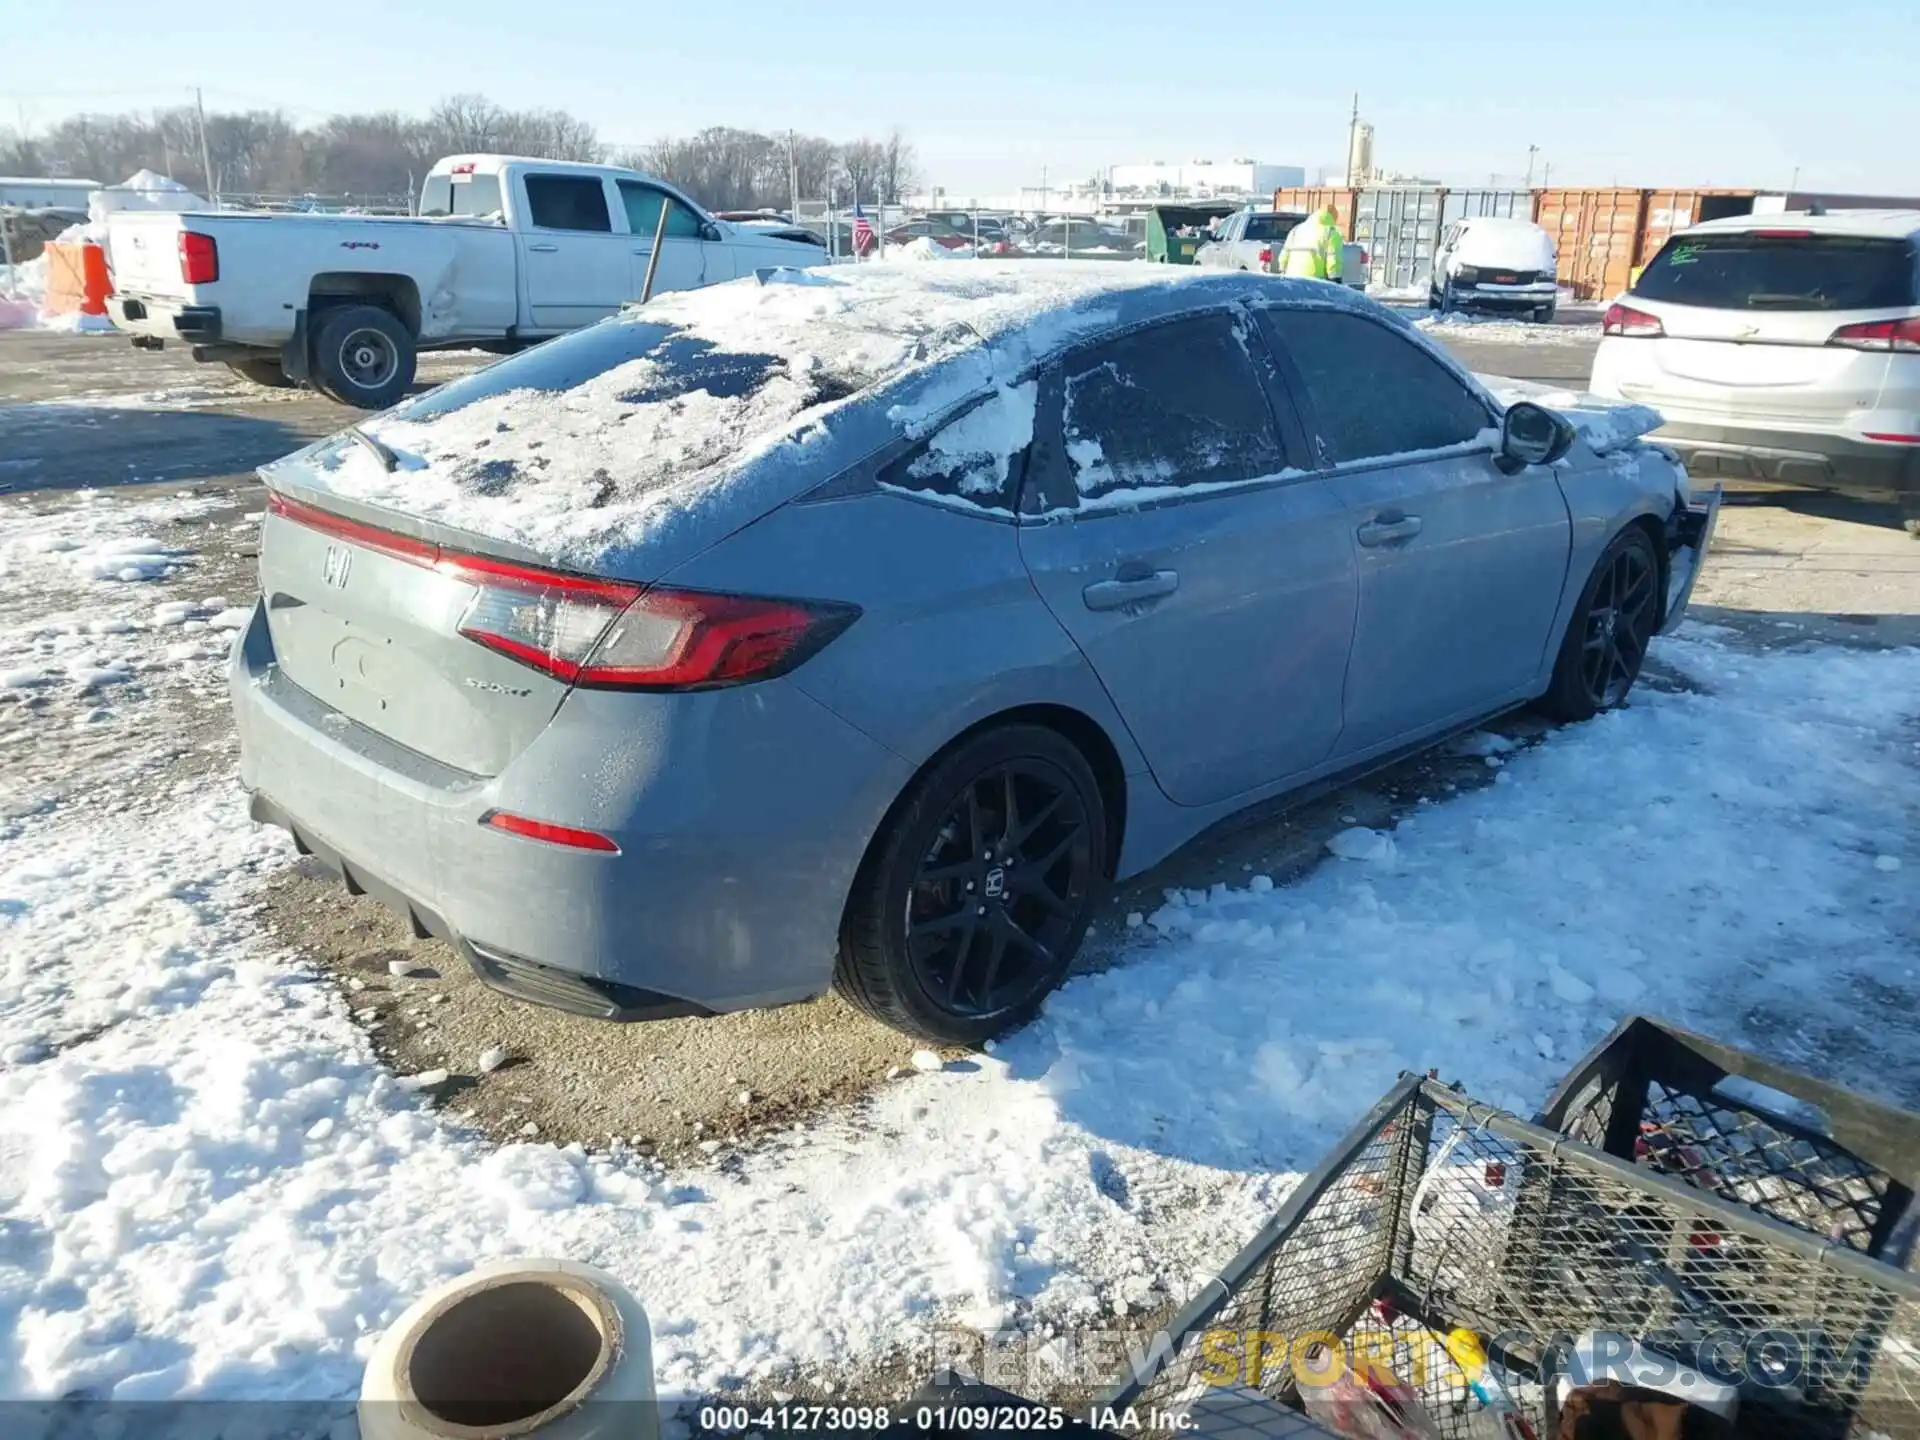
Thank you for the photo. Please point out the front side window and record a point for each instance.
(568, 202)
(1166, 407)
(1376, 393)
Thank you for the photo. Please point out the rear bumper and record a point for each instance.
(165, 319)
(741, 817)
(1871, 470)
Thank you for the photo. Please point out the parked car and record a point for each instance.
(1251, 240)
(1494, 262)
(1084, 236)
(506, 251)
(990, 228)
(653, 708)
(1781, 348)
(938, 231)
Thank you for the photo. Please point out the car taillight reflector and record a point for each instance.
(527, 829)
(1879, 335)
(1627, 321)
(1266, 255)
(606, 634)
(199, 258)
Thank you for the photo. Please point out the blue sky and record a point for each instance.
(1690, 92)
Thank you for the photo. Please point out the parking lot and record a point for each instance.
(137, 468)
(102, 418)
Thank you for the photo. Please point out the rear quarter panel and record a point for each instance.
(951, 630)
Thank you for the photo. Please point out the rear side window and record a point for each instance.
(643, 204)
(976, 457)
(469, 194)
(1168, 406)
(1270, 227)
(1376, 392)
(1754, 271)
(568, 202)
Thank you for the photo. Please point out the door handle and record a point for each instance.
(544, 249)
(1389, 529)
(643, 250)
(1117, 594)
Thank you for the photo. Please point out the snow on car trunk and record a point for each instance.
(221, 1192)
(703, 406)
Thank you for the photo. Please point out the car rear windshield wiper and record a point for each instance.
(389, 462)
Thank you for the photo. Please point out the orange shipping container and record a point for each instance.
(1671, 210)
(77, 280)
(1311, 199)
(1597, 235)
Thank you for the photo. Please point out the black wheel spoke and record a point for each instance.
(1001, 888)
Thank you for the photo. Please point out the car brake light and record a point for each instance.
(465, 167)
(1782, 234)
(606, 634)
(1627, 321)
(1266, 255)
(1879, 335)
(1895, 439)
(199, 258)
(520, 825)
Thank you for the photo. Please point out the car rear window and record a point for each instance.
(1270, 227)
(1757, 271)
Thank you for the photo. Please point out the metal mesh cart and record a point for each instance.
(1457, 1214)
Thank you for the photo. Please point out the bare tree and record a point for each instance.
(899, 170)
(861, 166)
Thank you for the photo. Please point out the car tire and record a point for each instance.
(269, 373)
(1910, 515)
(1606, 640)
(363, 356)
(1001, 908)
(1543, 315)
(1446, 298)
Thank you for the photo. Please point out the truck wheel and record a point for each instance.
(363, 356)
(262, 372)
(1543, 314)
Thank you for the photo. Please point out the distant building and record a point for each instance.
(45, 192)
(1204, 177)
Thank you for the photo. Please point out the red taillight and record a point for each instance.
(1365, 258)
(1266, 255)
(1894, 439)
(1625, 320)
(1880, 335)
(199, 258)
(552, 834)
(1782, 234)
(608, 634)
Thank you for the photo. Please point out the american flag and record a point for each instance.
(863, 237)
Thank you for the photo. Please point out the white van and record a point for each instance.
(1493, 262)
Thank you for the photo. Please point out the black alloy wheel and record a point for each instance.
(1606, 643)
(975, 894)
(994, 901)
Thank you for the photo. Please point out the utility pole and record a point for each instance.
(1546, 176)
(206, 157)
(1043, 190)
(1353, 134)
(793, 179)
(1532, 150)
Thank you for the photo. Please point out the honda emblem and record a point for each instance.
(337, 566)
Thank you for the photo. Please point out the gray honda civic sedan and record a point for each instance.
(858, 626)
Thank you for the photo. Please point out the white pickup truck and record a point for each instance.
(506, 251)
(1251, 240)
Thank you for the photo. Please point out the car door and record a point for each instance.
(1208, 579)
(1442, 258)
(1461, 563)
(686, 258)
(573, 256)
(1221, 249)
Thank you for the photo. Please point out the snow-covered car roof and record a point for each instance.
(581, 450)
(1889, 224)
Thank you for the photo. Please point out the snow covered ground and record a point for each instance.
(209, 1185)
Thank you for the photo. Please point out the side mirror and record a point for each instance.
(1532, 435)
(709, 230)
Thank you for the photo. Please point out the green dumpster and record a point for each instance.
(1175, 233)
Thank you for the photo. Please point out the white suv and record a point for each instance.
(1783, 348)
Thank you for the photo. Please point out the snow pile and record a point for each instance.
(1605, 425)
(142, 190)
(225, 1195)
(1457, 326)
(721, 378)
(923, 248)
